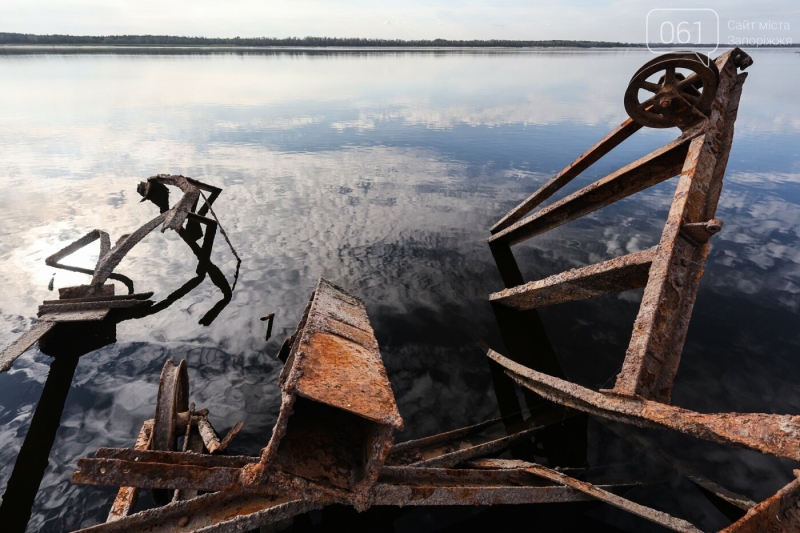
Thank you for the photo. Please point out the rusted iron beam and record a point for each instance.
(208, 435)
(86, 291)
(230, 436)
(659, 332)
(220, 512)
(210, 438)
(125, 244)
(433, 446)
(653, 515)
(176, 216)
(224, 512)
(136, 296)
(89, 315)
(145, 475)
(89, 306)
(780, 513)
(54, 260)
(12, 352)
(176, 458)
(407, 495)
(453, 458)
(193, 443)
(591, 156)
(777, 435)
(472, 477)
(338, 414)
(659, 165)
(615, 275)
(127, 496)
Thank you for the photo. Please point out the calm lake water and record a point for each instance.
(381, 172)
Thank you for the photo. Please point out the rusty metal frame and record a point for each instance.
(670, 272)
(777, 514)
(92, 302)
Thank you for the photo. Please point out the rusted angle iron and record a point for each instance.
(780, 513)
(652, 515)
(777, 435)
(732, 498)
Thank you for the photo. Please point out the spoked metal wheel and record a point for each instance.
(678, 98)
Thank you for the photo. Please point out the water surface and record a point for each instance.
(381, 172)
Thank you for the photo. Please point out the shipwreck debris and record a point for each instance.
(269, 319)
(330, 444)
(174, 417)
(93, 302)
(333, 441)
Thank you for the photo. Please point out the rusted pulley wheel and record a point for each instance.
(173, 398)
(676, 99)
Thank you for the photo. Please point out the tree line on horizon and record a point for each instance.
(170, 40)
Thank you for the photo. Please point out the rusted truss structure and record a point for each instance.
(704, 105)
(93, 302)
(670, 272)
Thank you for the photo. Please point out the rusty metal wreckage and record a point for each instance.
(94, 302)
(333, 442)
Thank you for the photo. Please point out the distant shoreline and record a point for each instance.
(23, 49)
(19, 42)
(171, 41)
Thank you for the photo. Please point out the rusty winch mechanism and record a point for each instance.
(333, 441)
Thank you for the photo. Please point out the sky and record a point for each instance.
(606, 20)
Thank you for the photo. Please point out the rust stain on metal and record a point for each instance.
(560, 478)
(780, 513)
(341, 364)
(609, 277)
(777, 435)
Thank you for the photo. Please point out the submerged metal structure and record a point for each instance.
(703, 103)
(333, 441)
(93, 302)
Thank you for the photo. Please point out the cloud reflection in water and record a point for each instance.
(380, 172)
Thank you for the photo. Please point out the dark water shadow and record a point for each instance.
(66, 343)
